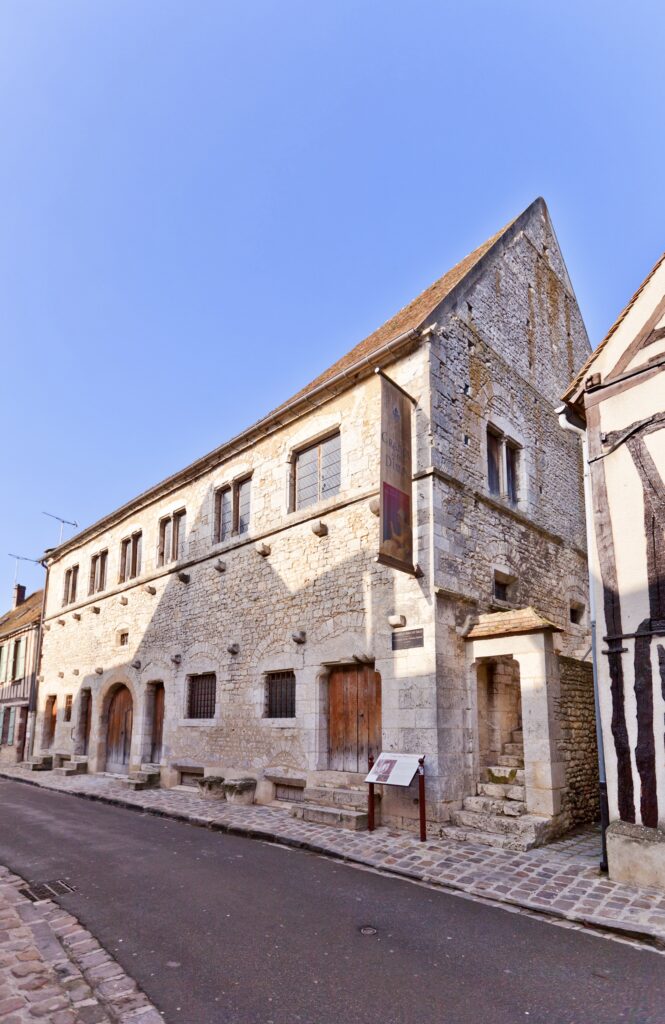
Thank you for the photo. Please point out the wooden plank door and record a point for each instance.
(119, 732)
(157, 724)
(87, 725)
(50, 715)
(354, 715)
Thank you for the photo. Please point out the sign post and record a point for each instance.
(370, 797)
(421, 798)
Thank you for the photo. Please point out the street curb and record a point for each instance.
(621, 931)
(73, 955)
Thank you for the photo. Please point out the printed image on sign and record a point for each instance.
(396, 538)
(394, 769)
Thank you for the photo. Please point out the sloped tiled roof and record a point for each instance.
(411, 316)
(510, 623)
(25, 614)
(575, 384)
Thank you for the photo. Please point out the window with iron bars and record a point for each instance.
(280, 695)
(201, 695)
(68, 708)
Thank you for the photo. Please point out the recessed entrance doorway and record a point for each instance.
(119, 732)
(354, 717)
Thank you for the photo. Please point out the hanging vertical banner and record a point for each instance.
(395, 517)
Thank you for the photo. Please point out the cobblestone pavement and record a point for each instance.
(561, 879)
(53, 970)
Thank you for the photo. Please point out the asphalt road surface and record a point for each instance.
(223, 930)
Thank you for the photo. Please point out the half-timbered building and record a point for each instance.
(619, 398)
(19, 644)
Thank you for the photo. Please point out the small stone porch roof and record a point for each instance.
(510, 623)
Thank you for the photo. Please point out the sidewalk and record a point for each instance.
(52, 970)
(560, 880)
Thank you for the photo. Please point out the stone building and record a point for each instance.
(619, 399)
(234, 620)
(19, 644)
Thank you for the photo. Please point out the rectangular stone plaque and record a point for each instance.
(408, 638)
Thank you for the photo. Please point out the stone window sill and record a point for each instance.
(198, 722)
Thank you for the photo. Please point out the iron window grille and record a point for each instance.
(201, 695)
(68, 708)
(280, 695)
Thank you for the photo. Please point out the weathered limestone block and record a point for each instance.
(211, 787)
(240, 791)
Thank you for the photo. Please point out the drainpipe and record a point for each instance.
(568, 421)
(32, 704)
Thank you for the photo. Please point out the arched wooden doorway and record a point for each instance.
(119, 732)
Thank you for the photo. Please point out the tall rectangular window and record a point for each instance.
(232, 509)
(172, 532)
(130, 557)
(280, 695)
(493, 462)
(223, 514)
(3, 663)
(512, 473)
(71, 582)
(98, 564)
(317, 472)
(18, 659)
(67, 716)
(201, 695)
(242, 490)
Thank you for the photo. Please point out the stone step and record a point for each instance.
(504, 775)
(528, 827)
(327, 796)
(144, 779)
(517, 736)
(72, 768)
(78, 758)
(339, 817)
(510, 761)
(500, 791)
(517, 749)
(499, 842)
(41, 763)
(511, 808)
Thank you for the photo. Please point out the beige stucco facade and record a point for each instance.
(302, 591)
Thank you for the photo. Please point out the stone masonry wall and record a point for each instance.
(502, 356)
(578, 746)
(328, 586)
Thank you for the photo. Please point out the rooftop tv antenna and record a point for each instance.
(61, 521)
(22, 558)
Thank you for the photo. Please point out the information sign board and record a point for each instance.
(394, 769)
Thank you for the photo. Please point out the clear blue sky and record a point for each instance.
(206, 202)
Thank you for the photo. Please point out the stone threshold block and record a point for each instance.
(636, 854)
